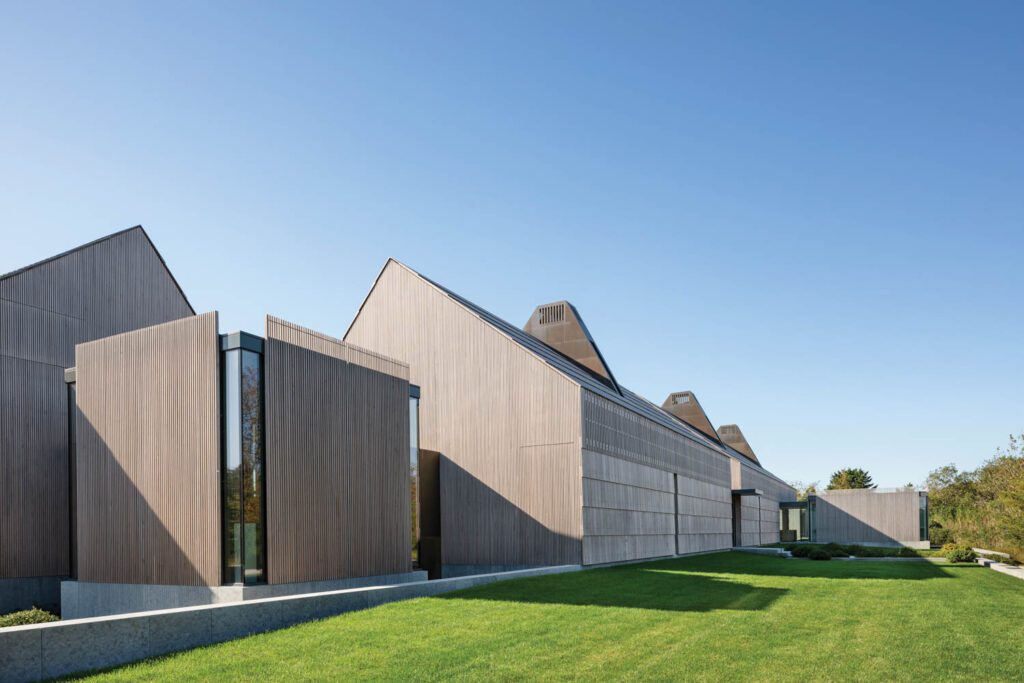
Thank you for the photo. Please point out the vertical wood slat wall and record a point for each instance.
(867, 516)
(112, 286)
(148, 455)
(337, 458)
(648, 492)
(506, 424)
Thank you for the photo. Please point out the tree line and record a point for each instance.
(982, 507)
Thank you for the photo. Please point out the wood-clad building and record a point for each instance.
(870, 517)
(159, 463)
(109, 286)
(206, 460)
(544, 457)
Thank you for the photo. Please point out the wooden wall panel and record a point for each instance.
(628, 510)
(704, 516)
(148, 455)
(506, 424)
(703, 519)
(110, 286)
(337, 455)
(867, 516)
(613, 430)
(34, 538)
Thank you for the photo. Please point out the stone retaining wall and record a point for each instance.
(42, 651)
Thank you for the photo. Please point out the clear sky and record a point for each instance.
(810, 214)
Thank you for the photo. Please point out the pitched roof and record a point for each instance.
(580, 374)
(100, 240)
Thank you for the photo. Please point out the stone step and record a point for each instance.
(757, 550)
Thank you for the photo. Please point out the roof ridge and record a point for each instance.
(100, 240)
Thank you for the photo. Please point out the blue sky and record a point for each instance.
(810, 214)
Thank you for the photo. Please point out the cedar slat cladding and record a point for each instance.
(337, 455)
(867, 516)
(702, 509)
(112, 286)
(148, 453)
(629, 512)
(613, 430)
(506, 424)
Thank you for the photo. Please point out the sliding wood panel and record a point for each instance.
(337, 458)
(148, 455)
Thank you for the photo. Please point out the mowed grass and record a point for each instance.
(722, 617)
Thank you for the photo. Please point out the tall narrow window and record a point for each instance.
(414, 471)
(252, 467)
(231, 471)
(923, 502)
(242, 478)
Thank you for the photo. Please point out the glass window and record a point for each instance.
(252, 466)
(924, 517)
(414, 475)
(243, 468)
(232, 468)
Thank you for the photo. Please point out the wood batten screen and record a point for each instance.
(116, 284)
(148, 443)
(337, 458)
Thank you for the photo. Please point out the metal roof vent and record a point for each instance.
(685, 406)
(554, 313)
(732, 436)
(560, 326)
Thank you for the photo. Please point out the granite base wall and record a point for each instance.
(80, 600)
(43, 651)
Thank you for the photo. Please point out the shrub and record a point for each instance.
(836, 550)
(958, 553)
(801, 550)
(866, 551)
(819, 554)
(940, 536)
(28, 616)
(907, 552)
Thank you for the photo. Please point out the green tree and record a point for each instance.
(802, 491)
(984, 507)
(850, 478)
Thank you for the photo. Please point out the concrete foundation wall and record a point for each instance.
(80, 600)
(26, 593)
(42, 651)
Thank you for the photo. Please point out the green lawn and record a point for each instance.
(728, 616)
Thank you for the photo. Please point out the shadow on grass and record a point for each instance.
(748, 564)
(633, 587)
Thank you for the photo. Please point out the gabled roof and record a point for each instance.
(95, 242)
(576, 372)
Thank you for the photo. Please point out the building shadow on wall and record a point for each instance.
(507, 535)
(835, 524)
(481, 527)
(120, 536)
(631, 586)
